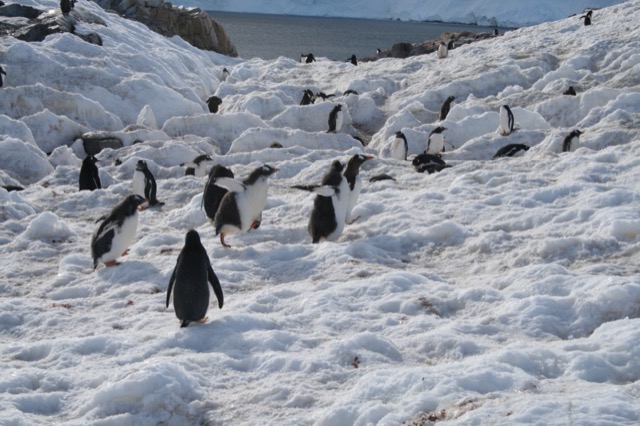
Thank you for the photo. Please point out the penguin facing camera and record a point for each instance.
(511, 150)
(506, 120)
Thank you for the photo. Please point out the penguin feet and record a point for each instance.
(350, 222)
(254, 225)
(203, 320)
(111, 263)
(124, 253)
(222, 241)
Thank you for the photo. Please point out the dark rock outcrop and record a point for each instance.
(94, 142)
(193, 25)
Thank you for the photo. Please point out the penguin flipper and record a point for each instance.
(215, 284)
(322, 190)
(171, 281)
(230, 184)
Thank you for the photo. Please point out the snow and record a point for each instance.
(494, 292)
(486, 12)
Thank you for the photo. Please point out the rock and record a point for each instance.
(94, 142)
(15, 10)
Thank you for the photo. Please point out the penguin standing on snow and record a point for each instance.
(506, 120)
(446, 106)
(511, 150)
(224, 75)
(307, 59)
(89, 176)
(330, 205)
(571, 142)
(197, 167)
(587, 17)
(191, 278)
(570, 91)
(213, 193)
(214, 103)
(435, 145)
(353, 60)
(352, 174)
(399, 147)
(307, 97)
(116, 232)
(443, 51)
(241, 208)
(335, 119)
(144, 184)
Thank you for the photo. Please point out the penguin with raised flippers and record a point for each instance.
(352, 174)
(89, 176)
(428, 163)
(116, 232)
(190, 282)
(213, 193)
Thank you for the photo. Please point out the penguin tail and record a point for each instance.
(184, 323)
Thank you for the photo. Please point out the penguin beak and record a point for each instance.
(369, 157)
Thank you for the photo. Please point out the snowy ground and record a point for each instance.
(495, 292)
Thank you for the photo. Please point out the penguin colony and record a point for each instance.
(232, 205)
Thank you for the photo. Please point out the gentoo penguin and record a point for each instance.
(335, 119)
(349, 92)
(212, 193)
(496, 33)
(190, 282)
(399, 146)
(116, 232)
(587, 17)
(511, 150)
(378, 51)
(570, 91)
(89, 176)
(214, 103)
(353, 60)
(428, 163)
(307, 97)
(323, 96)
(225, 75)
(571, 142)
(2, 72)
(352, 174)
(446, 106)
(506, 120)
(330, 205)
(144, 184)
(198, 167)
(241, 208)
(450, 45)
(442, 50)
(435, 145)
(380, 177)
(65, 6)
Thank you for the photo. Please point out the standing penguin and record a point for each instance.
(241, 208)
(435, 145)
(197, 167)
(114, 235)
(213, 193)
(191, 278)
(307, 59)
(335, 119)
(506, 120)
(353, 60)
(587, 17)
(89, 176)
(571, 142)
(214, 102)
(443, 51)
(224, 75)
(570, 91)
(307, 97)
(446, 106)
(330, 205)
(2, 72)
(399, 146)
(352, 174)
(144, 184)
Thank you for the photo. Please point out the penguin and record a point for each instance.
(571, 142)
(65, 6)
(511, 150)
(442, 50)
(496, 33)
(446, 106)
(241, 208)
(1, 73)
(330, 205)
(197, 167)
(353, 60)
(191, 278)
(307, 97)
(89, 176)
(307, 59)
(506, 120)
(224, 75)
(352, 174)
(144, 184)
(349, 92)
(214, 103)
(378, 51)
(323, 96)
(587, 17)
(335, 119)
(570, 91)
(450, 45)
(10, 188)
(116, 232)
(213, 194)
(435, 145)
(380, 177)
(428, 163)
(399, 146)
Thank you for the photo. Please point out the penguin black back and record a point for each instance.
(570, 140)
(191, 278)
(446, 107)
(587, 17)
(323, 221)
(213, 194)
(89, 176)
(353, 60)
(333, 118)
(214, 103)
(510, 150)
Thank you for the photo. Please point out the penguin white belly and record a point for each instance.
(505, 127)
(339, 120)
(436, 144)
(251, 203)
(138, 183)
(397, 149)
(201, 169)
(122, 239)
(340, 203)
(574, 144)
(442, 51)
(353, 198)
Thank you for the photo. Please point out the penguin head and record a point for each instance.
(91, 159)
(268, 170)
(133, 202)
(357, 160)
(201, 158)
(338, 108)
(451, 98)
(400, 135)
(438, 129)
(141, 165)
(192, 238)
(336, 166)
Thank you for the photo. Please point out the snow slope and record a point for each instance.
(494, 292)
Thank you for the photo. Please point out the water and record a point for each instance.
(272, 36)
